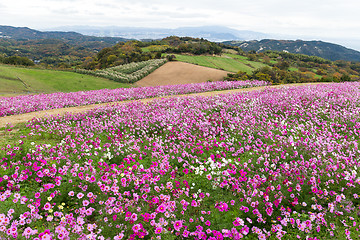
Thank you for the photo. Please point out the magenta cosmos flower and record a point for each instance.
(161, 208)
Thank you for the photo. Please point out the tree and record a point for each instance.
(239, 76)
(89, 63)
(345, 78)
(263, 77)
(171, 57)
(283, 65)
(111, 59)
(252, 57)
(16, 60)
(266, 59)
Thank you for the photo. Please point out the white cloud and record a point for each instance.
(320, 18)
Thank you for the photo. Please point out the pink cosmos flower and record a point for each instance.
(155, 200)
(178, 225)
(186, 233)
(47, 206)
(45, 235)
(236, 223)
(269, 211)
(158, 230)
(136, 228)
(161, 208)
(80, 221)
(134, 217)
(119, 236)
(80, 195)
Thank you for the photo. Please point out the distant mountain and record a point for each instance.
(24, 33)
(218, 33)
(100, 37)
(54, 48)
(211, 33)
(312, 48)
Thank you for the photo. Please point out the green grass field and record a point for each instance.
(293, 69)
(17, 80)
(245, 60)
(227, 62)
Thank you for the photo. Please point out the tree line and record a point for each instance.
(16, 60)
(132, 51)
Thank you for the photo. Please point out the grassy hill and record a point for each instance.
(227, 62)
(277, 67)
(18, 80)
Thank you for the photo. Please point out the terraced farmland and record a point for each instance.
(227, 62)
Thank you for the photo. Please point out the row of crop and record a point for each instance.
(32, 103)
(276, 164)
(135, 66)
(127, 73)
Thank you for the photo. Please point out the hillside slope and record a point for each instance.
(312, 48)
(226, 62)
(17, 80)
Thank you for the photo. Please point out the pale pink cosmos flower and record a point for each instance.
(80, 195)
(85, 203)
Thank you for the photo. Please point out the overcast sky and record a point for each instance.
(317, 19)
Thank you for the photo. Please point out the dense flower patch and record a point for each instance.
(280, 163)
(31, 103)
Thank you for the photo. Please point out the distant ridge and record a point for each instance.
(108, 36)
(322, 49)
(211, 33)
(247, 40)
(25, 33)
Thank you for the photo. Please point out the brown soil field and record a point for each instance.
(172, 73)
(15, 119)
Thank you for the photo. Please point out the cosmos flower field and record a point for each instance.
(272, 164)
(31, 103)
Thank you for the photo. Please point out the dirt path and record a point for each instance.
(172, 73)
(15, 119)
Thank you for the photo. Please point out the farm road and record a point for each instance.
(20, 118)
